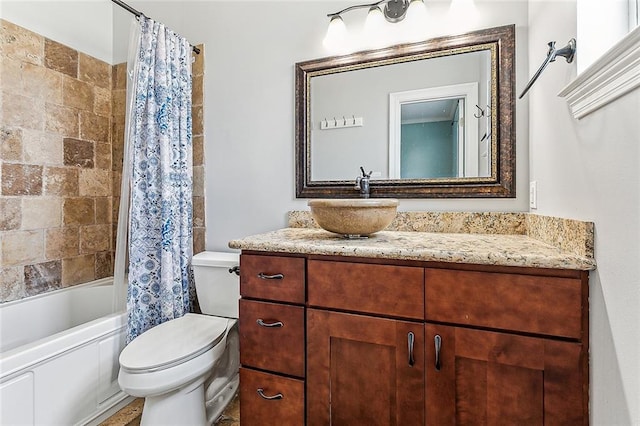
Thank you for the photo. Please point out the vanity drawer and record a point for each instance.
(268, 399)
(272, 337)
(272, 277)
(368, 288)
(527, 303)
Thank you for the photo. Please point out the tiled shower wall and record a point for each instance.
(56, 165)
(60, 172)
(198, 151)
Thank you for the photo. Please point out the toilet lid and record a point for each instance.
(173, 342)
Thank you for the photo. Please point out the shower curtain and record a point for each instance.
(159, 151)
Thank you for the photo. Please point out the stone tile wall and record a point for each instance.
(118, 108)
(198, 152)
(61, 132)
(55, 160)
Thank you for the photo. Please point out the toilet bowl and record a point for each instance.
(187, 368)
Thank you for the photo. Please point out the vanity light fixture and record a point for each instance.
(392, 10)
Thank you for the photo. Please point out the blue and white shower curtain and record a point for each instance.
(160, 285)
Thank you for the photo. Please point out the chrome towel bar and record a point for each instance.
(568, 52)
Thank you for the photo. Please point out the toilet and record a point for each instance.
(187, 368)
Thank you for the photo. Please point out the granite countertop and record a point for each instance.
(483, 249)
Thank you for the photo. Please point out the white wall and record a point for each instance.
(588, 169)
(601, 15)
(251, 49)
(83, 25)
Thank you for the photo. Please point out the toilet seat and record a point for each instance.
(190, 336)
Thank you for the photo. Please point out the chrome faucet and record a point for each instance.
(362, 183)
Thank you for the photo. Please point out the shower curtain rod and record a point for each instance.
(135, 12)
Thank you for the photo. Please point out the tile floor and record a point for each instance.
(127, 416)
(131, 414)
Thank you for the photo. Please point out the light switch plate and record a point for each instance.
(533, 195)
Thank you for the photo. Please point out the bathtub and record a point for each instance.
(59, 356)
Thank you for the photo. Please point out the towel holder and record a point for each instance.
(568, 52)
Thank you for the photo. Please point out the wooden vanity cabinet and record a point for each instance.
(506, 348)
(272, 340)
(364, 370)
(487, 378)
(384, 342)
(367, 367)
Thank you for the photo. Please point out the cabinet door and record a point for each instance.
(363, 370)
(486, 378)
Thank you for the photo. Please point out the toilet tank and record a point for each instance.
(218, 289)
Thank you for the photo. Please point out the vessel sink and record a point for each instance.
(354, 217)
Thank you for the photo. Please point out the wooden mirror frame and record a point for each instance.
(501, 184)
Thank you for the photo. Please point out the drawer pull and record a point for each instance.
(438, 343)
(264, 276)
(261, 323)
(410, 341)
(276, 396)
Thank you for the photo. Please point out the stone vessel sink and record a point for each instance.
(354, 217)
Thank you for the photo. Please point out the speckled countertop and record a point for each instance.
(483, 249)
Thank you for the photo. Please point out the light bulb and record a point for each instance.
(374, 30)
(463, 15)
(336, 38)
(417, 9)
(416, 21)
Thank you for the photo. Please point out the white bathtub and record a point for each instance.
(59, 356)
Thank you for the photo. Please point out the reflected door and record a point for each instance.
(433, 134)
(431, 142)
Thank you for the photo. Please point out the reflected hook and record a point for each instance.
(481, 112)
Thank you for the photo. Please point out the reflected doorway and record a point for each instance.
(433, 133)
(431, 138)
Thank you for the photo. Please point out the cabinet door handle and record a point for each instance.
(438, 343)
(410, 340)
(276, 396)
(261, 323)
(264, 276)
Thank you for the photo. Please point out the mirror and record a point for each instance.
(429, 119)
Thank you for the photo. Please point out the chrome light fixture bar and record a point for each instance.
(380, 13)
(394, 10)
